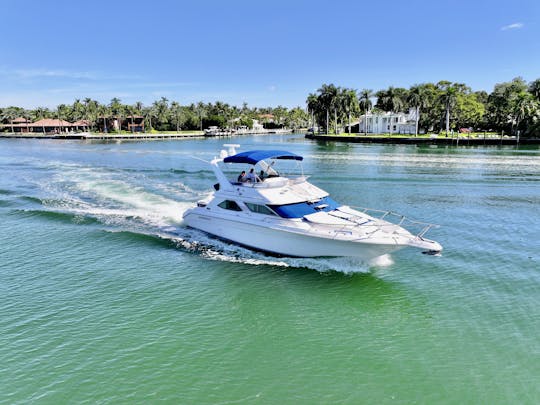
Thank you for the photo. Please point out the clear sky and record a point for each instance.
(265, 53)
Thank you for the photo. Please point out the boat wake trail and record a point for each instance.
(153, 206)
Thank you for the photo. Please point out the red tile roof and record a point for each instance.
(51, 122)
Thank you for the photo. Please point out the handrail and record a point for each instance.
(403, 220)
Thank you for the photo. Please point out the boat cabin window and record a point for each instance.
(298, 210)
(260, 209)
(229, 205)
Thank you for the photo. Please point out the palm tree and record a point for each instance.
(390, 100)
(129, 112)
(103, 111)
(350, 104)
(328, 100)
(77, 110)
(9, 114)
(90, 111)
(138, 106)
(416, 99)
(161, 108)
(177, 115)
(337, 102)
(244, 107)
(524, 106)
(201, 111)
(313, 107)
(534, 89)
(449, 99)
(149, 113)
(27, 116)
(41, 113)
(63, 113)
(366, 104)
(116, 109)
(86, 108)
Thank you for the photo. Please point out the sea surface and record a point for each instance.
(106, 297)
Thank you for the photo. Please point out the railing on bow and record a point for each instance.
(401, 220)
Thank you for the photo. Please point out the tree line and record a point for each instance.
(444, 106)
(164, 115)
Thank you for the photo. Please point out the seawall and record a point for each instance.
(427, 141)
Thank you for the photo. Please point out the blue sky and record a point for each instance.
(264, 53)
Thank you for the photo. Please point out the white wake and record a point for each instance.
(117, 201)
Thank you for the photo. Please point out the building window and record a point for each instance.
(394, 127)
(259, 209)
(229, 205)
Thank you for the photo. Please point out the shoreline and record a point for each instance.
(427, 141)
(381, 139)
(97, 136)
(128, 136)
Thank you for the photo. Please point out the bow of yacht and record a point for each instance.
(289, 216)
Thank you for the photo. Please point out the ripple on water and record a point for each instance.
(106, 297)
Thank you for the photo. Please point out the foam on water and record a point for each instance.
(382, 261)
(215, 249)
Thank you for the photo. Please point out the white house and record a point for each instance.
(388, 122)
(257, 127)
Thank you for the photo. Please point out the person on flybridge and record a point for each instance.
(251, 176)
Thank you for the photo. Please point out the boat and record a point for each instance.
(286, 215)
(216, 131)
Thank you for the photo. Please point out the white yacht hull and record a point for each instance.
(285, 242)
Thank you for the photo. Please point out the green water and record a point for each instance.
(106, 298)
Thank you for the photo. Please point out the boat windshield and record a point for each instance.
(298, 210)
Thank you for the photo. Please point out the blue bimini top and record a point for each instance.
(254, 156)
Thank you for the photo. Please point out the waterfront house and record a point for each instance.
(133, 123)
(45, 125)
(19, 124)
(81, 125)
(388, 122)
(51, 125)
(266, 118)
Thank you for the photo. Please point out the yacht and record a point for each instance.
(286, 215)
(216, 131)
